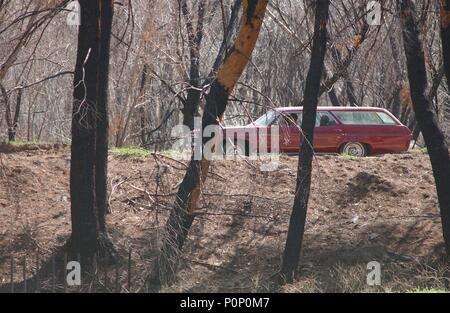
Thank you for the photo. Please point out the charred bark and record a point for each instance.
(85, 226)
(297, 222)
(425, 114)
(102, 130)
(88, 172)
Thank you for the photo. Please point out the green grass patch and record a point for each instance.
(349, 157)
(127, 152)
(20, 143)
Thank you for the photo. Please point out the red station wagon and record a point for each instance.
(355, 131)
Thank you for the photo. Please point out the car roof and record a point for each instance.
(322, 108)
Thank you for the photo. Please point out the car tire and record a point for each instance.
(355, 149)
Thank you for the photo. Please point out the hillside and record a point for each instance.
(375, 209)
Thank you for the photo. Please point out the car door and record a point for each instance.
(327, 135)
(289, 133)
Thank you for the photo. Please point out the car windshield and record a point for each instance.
(266, 119)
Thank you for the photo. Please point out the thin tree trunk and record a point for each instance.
(142, 109)
(12, 131)
(12, 122)
(425, 114)
(296, 230)
(294, 240)
(182, 214)
(195, 37)
(101, 153)
(445, 35)
(226, 43)
(395, 107)
(350, 90)
(7, 107)
(333, 97)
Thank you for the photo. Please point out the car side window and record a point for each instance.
(325, 119)
(359, 117)
(289, 119)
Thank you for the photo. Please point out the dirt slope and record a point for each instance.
(375, 209)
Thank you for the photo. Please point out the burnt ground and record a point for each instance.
(374, 209)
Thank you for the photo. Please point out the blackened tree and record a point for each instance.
(312, 90)
(425, 113)
(89, 131)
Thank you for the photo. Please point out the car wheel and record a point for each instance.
(235, 150)
(355, 149)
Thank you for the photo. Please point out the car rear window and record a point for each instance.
(364, 118)
(386, 118)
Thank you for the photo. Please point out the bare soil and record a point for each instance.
(373, 209)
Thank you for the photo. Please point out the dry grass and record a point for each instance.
(376, 209)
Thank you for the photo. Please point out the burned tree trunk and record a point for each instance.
(182, 215)
(445, 34)
(425, 114)
(90, 131)
(85, 226)
(298, 218)
(101, 153)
